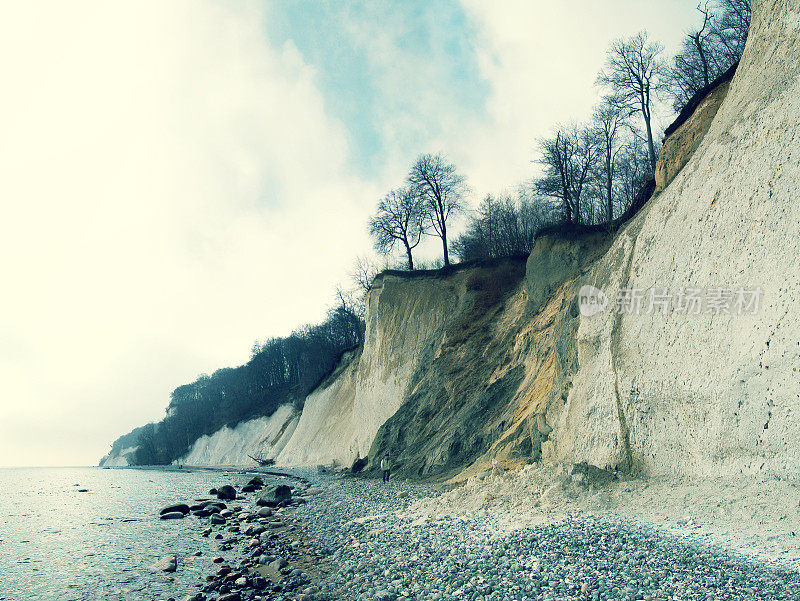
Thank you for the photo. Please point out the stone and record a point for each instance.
(168, 563)
(172, 515)
(180, 507)
(274, 495)
(313, 490)
(265, 512)
(230, 597)
(217, 519)
(226, 493)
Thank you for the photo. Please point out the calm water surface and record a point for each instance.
(58, 543)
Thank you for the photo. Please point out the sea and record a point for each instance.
(59, 543)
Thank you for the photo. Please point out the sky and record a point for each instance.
(180, 179)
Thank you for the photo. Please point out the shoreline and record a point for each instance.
(356, 538)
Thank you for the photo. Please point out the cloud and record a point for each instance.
(163, 168)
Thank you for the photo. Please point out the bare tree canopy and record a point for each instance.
(568, 159)
(400, 218)
(441, 188)
(503, 227)
(709, 50)
(634, 74)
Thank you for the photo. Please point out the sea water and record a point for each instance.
(58, 543)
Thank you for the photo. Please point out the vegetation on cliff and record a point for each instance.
(280, 370)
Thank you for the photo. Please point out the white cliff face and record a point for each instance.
(709, 394)
(262, 437)
(405, 324)
(658, 392)
(119, 460)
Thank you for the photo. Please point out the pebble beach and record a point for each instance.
(343, 537)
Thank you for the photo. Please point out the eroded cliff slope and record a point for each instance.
(498, 362)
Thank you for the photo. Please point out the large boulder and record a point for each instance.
(273, 495)
(359, 464)
(226, 493)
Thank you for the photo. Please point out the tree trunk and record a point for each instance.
(609, 196)
(444, 244)
(408, 254)
(650, 146)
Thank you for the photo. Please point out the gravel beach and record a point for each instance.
(354, 538)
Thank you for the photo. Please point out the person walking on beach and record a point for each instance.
(385, 467)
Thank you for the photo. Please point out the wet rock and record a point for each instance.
(265, 512)
(226, 493)
(179, 507)
(274, 495)
(168, 563)
(172, 515)
(217, 519)
(230, 597)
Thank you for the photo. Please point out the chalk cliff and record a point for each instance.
(499, 362)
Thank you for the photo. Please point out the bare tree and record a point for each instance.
(709, 50)
(696, 65)
(568, 158)
(730, 28)
(632, 172)
(634, 74)
(363, 273)
(440, 186)
(609, 122)
(400, 218)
